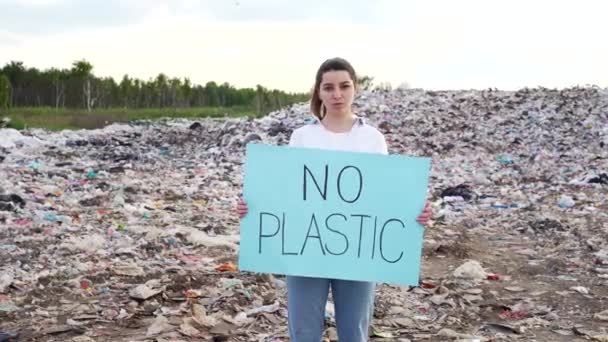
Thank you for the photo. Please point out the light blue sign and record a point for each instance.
(333, 214)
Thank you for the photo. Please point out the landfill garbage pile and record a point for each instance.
(130, 232)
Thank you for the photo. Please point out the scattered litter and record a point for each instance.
(7, 337)
(160, 324)
(472, 269)
(565, 202)
(602, 316)
(143, 292)
(580, 289)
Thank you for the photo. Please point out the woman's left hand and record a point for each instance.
(425, 217)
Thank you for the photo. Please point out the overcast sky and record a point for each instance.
(428, 44)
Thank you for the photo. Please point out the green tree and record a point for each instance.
(160, 90)
(126, 91)
(107, 92)
(137, 93)
(384, 86)
(365, 82)
(15, 71)
(58, 78)
(261, 99)
(211, 94)
(187, 92)
(78, 87)
(83, 71)
(5, 91)
(176, 98)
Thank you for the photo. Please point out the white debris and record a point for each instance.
(471, 269)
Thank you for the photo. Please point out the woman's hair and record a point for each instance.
(333, 64)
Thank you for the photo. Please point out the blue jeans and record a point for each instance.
(306, 300)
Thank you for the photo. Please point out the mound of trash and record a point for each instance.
(129, 232)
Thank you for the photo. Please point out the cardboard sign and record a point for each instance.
(333, 214)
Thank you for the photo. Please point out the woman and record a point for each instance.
(336, 128)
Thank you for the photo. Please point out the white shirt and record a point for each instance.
(361, 138)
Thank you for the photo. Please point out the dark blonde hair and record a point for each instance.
(333, 64)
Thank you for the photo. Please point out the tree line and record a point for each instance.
(78, 87)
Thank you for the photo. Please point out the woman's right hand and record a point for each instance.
(241, 208)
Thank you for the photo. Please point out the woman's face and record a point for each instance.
(337, 92)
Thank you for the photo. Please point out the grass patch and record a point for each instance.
(17, 123)
(52, 119)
